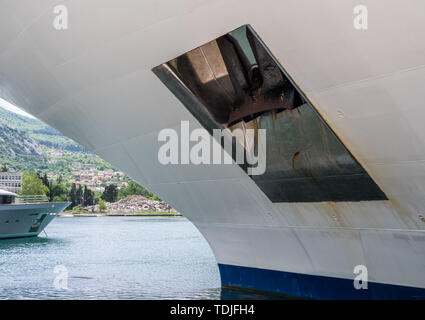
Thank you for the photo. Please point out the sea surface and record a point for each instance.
(113, 258)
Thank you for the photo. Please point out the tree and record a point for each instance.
(33, 185)
(73, 196)
(4, 168)
(88, 197)
(133, 188)
(58, 192)
(45, 180)
(102, 205)
(111, 193)
(79, 195)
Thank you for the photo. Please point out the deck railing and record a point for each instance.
(32, 199)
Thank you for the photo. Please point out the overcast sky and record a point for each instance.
(8, 106)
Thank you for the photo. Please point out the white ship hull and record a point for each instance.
(27, 220)
(94, 82)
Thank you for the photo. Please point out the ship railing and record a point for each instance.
(32, 199)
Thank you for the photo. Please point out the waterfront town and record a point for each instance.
(95, 179)
(129, 198)
(88, 174)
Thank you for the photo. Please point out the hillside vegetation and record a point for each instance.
(28, 144)
(42, 133)
(14, 142)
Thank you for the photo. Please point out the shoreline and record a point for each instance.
(128, 214)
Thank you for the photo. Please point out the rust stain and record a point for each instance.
(294, 158)
(401, 210)
(335, 212)
(312, 175)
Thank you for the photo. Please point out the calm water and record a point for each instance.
(113, 258)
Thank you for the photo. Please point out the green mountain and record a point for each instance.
(42, 133)
(15, 142)
(18, 121)
(28, 144)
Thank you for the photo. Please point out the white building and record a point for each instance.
(11, 181)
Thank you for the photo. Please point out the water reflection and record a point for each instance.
(115, 258)
(29, 242)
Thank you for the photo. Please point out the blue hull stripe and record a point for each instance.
(312, 286)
